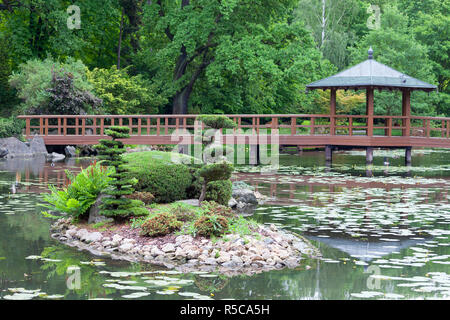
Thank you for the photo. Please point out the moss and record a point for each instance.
(212, 225)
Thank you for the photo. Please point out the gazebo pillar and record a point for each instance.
(369, 110)
(406, 112)
(333, 112)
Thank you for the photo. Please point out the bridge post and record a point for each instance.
(408, 156)
(329, 154)
(253, 154)
(369, 156)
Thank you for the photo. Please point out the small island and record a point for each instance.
(166, 209)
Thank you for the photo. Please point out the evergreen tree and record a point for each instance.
(117, 206)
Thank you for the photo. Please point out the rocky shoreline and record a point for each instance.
(271, 249)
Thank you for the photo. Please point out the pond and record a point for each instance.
(384, 233)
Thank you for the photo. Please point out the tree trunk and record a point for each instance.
(203, 193)
(120, 41)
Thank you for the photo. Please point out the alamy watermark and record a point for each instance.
(374, 21)
(74, 19)
(263, 147)
(73, 281)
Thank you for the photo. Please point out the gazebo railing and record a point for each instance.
(286, 124)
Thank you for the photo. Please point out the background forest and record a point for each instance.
(212, 57)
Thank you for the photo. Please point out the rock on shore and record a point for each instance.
(270, 249)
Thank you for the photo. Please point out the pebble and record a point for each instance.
(232, 255)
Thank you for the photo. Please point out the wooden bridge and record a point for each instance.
(291, 129)
(303, 130)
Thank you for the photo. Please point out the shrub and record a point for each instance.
(145, 197)
(81, 193)
(217, 121)
(160, 224)
(11, 127)
(35, 76)
(183, 212)
(111, 153)
(214, 172)
(219, 191)
(214, 208)
(211, 225)
(125, 94)
(155, 173)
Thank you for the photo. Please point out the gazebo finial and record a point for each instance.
(370, 53)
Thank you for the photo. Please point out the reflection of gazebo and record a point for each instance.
(371, 75)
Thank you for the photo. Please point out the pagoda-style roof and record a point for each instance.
(371, 73)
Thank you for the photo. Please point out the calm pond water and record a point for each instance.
(384, 233)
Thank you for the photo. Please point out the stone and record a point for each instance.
(237, 260)
(232, 203)
(92, 237)
(169, 247)
(87, 151)
(245, 195)
(183, 239)
(81, 233)
(3, 152)
(156, 252)
(116, 240)
(94, 212)
(37, 146)
(70, 151)
(55, 157)
(224, 257)
(126, 247)
(15, 148)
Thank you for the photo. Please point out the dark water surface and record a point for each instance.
(383, 231)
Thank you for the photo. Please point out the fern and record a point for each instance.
(82, 192)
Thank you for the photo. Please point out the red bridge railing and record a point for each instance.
(318, 128)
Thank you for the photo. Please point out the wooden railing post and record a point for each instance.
(41, 126)
(389, 124)
(27, 128)
(313, 123)
(293, 126)
(350, 126)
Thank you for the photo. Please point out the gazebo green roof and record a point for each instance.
(371, 73)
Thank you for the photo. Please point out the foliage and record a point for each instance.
(160, 224)
(395, 45)
(347, 102)
(219, 191)
(156, 174)
(145, 197)
(216, 172)
(11, 127)
(124, 94)
(34, 78)
(64, 99)
(217, 122)
(82, 192)
(214, 208)
(211, 225)
(110, 151)
(226, 57)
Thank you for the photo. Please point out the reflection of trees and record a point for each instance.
(211, 285)
(91, 282)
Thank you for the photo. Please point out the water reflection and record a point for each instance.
(395, 221)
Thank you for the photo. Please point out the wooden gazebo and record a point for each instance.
(371, 75)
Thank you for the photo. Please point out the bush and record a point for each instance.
(211, 225)
(145, 197)
(160, 224)
(217, 121)
(219, 191)
(81, 193)
(125, 94)
(214, 208)
(11, 127)
(183, 212)
(34, 78)
(215, 172)
(155, 173)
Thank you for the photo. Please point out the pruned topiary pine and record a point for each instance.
(215, 169)
(110, 152)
